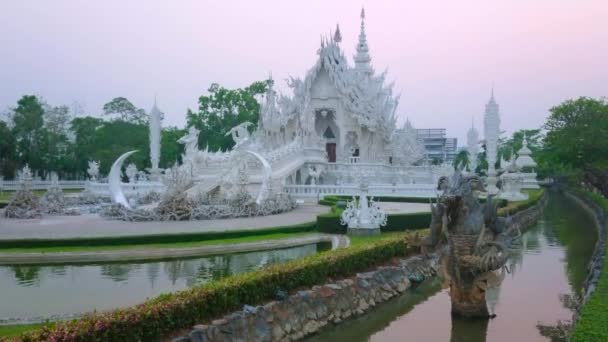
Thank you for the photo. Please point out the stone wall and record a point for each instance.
(306, 312)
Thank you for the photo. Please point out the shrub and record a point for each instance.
(167, 313)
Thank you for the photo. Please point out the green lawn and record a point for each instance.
(592, 323)
(253, 238)
(11, 331)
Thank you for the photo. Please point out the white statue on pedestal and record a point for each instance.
(512, 182)
(315, 171)
(190, 142)
(131, 173)
(93, 170)
(25, 178)
(363, 217)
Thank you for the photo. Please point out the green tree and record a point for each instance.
(170, 150)
(577, 132)
(116, 137)
(29, 133)
(125, 110)
(577, 141)
(462, 160)
(223, 109)
(8, 152)
(85, 147)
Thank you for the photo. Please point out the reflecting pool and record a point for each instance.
(538, 284)
(34, 293)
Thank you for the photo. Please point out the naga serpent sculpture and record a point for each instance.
(478, 241)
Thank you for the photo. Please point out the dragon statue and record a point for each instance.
(478, 242)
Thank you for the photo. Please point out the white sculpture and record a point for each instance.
(491, 134)
(363, 217)
(25, 177)
(131, 172)
(315, 171)
(526, 163)
(116, 193)
(406, 148)
(240, 134)
(190, 142)
(93, 170)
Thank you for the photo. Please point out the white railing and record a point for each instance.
(354, 160)
(402, 190)
(129, 189)
(13, 185)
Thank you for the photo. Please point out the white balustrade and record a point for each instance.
(13, 185)
(388, 190)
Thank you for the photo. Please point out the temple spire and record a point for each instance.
(337, 35)
(362, 58)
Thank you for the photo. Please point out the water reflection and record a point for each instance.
(58, 290)
(536, 288)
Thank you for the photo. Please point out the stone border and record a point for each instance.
(597, 258)
(146, 254)
(308, 311)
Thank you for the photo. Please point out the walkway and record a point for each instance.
(157, 253)
(92, 226)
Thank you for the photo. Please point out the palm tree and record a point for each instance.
(461, 161)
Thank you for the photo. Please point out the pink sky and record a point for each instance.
(442, 55)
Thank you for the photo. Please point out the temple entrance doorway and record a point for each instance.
(330, 148)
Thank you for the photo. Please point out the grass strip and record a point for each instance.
(154, 238)
(592, 322)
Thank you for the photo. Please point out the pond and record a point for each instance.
(35, 293)
(544, 274)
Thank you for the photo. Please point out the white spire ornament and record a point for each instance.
(472, 146)
(491, 129)
(155, 127)
(362, 57)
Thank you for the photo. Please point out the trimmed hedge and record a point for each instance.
(330, 223)
(534, 196)
(167, 313)
(592, 322)
(155, 238)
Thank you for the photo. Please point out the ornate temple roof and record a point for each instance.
(362, 93)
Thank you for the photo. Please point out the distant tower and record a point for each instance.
(472, 146)
(154, 124)
(362, 58)
(491, 128)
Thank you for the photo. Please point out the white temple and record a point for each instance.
(339, 120)
(491, 127)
